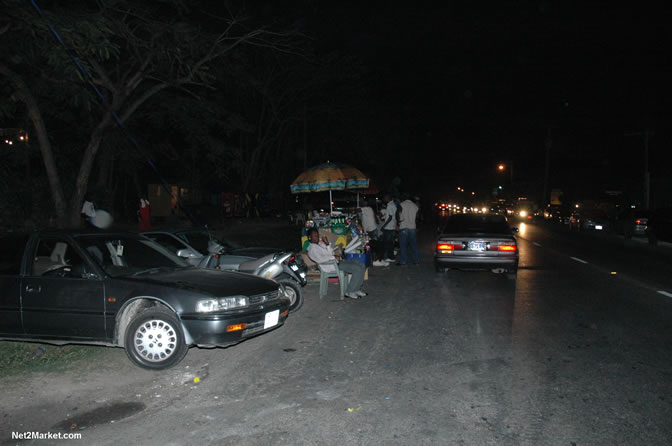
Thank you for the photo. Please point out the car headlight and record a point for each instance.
(221, 304)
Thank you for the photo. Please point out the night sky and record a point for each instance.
(477, 83)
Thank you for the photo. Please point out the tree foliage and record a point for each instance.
(210, 95)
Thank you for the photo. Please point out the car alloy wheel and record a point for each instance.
(154, 339)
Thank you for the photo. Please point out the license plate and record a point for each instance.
(598, 227)
(294, 267)
(476, 246)
(271, 319)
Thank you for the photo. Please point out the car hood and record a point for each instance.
(215, 282)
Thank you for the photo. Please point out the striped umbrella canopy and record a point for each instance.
(327, 177)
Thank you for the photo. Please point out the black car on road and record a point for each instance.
(125, 290)
(477, 242)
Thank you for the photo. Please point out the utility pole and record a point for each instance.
(647, 175)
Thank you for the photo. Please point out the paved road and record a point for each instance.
(569, 353)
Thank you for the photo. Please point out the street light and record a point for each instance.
(502, 167)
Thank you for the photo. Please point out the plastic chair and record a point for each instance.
(328, 270)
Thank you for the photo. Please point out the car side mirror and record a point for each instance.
(186, 253)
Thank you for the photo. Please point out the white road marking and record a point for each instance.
(665, 293)
(578, 259)
(536, 244)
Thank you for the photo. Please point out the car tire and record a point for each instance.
(294, 292)
(154, 339)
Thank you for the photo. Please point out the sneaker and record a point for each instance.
(352, 295)
(380, 263)
(390, 260)
(361, 293)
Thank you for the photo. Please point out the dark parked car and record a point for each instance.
(589, 220)
(659, 226)
(477, 242)
(127, 291)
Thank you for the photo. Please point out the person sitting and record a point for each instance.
(320, 251)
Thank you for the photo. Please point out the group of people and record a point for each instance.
(400, 216)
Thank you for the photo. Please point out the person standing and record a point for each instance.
(88, 211)
(368, 218)
(144, 215)
(370, 226)
(389, 227)
(408, 242)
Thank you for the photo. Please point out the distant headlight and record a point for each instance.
(523, 213)
(221, 304)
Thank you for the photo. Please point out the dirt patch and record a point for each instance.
(109, 413)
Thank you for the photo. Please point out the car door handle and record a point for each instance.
(33, 288)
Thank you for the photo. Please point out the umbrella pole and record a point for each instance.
(357, 198)
(331, 204)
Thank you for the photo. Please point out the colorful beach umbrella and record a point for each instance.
(327, 177)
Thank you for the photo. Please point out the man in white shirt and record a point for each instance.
(389, 227)
(408, 243)
(370, 225)
(320, 251)
(368, 218)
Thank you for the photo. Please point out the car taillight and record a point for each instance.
(502, 246)
(449, 246)
(292, 259)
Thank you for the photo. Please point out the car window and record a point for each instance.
(199, 241)
(121, 255)
(473, 223)
(56, 257)
(14, 245)
(167, 241)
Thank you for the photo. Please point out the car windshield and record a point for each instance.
(123, 255)
(476, 224)
(199, 241)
